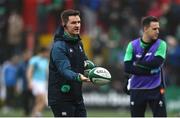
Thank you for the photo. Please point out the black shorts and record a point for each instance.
(139, 99)
(69, 109)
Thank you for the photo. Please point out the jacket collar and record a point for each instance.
(59, 35)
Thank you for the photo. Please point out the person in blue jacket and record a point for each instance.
(66, 68)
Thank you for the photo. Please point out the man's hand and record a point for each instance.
(84, 79)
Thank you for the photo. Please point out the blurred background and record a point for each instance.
(107, 27)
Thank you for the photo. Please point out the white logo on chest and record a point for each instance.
(80, 48)
(70, 50)
(149, 54)
(138, 55)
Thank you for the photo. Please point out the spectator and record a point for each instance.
(37, 73)
(9, 72)
(27, 97)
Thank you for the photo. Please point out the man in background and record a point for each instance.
(27, 97)
(144, 59)
(37, 74)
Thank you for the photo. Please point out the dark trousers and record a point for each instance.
(10, 96)
(139, 99)
(27, 102)
(69, 109)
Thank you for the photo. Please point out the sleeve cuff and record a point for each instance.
(78, 78)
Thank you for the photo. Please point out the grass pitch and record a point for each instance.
(91, 112)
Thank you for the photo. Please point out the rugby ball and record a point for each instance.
(99, 76)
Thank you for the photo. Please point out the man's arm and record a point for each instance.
(158, 60)
(130, 67)
(133, 69)
(63, 64)
(153, 64)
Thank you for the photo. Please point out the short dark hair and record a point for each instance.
(69, 12)
(147, 20)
